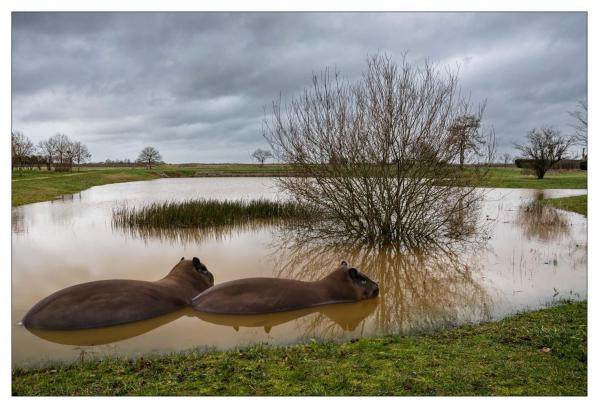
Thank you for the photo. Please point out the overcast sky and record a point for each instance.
(195, 85)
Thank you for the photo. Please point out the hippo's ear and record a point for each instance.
(344, 264)
(196, 263)
(182, 258)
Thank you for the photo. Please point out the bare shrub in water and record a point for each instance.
(380, 156)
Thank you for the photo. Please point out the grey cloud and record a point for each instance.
(196, 84)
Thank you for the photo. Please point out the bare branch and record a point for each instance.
(149, 156)
(261, 155)
(580, 127)
(545, 147)
(380, 155)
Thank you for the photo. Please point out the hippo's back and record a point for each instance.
(102, 303)
(257, 296)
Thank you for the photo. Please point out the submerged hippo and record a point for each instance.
(117, 301)
(269, 295)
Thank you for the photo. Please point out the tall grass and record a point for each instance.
(205, 213)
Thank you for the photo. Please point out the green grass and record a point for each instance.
(31, 186)
(203, 213)
(576, 204)
(34, 186)
(512, 177)
(499, 358)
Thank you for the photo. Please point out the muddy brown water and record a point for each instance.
(533, 256)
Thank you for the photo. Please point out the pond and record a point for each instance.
(530, 259)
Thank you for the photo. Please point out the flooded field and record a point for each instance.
(533, 255)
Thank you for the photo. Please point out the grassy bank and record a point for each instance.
(533, 353)
(31, 186)
(577, 204)
(512, 177)
(203, 213)
(35, 186)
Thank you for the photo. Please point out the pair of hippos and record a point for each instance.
(190, 283)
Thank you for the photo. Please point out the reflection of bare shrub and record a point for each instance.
(420, 290)
(381, 156)
(541, 221)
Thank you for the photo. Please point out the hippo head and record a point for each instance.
(194, 272)
(205, 274)
(354, 284)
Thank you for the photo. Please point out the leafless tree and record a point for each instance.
(545, 147)
(466, 132)
(580, 127)
(506, 158)
(46, 149)
(261, 155)
(378, 155)
(21, 149)
(80, 154)
(62, 152)
(149, 156)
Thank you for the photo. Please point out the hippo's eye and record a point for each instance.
(363, 280)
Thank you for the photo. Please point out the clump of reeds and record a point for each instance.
(205, 213)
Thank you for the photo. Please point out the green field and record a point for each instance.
(32, 186)
(575, 203)
(533, 353)
(512, 177)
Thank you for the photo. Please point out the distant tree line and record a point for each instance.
(148, 157)
(119, 162)
(58, 152)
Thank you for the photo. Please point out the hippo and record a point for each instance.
(270, 295)
(118, 301)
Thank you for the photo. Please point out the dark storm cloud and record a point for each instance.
(195, 85)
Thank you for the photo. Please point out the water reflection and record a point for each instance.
(420, 290)
(541, 221)
(18, 220)
(346, 317)
(105, 335)
(67, 197)
(194, 235)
